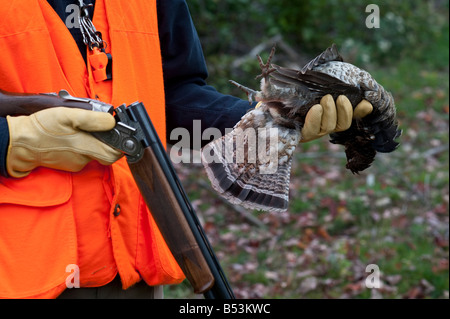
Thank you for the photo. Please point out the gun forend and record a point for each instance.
(170, 219)
(173, 213)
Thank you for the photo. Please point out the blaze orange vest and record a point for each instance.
(52, 222)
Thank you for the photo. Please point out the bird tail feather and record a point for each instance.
(238, 172)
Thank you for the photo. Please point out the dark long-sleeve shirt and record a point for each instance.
(188, 97)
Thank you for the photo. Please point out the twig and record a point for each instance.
(256, 50)
(293, 55)
(321, 155)
(434, 151)
(277, 40)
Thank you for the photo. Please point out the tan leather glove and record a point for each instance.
(328, 116)
(57, 138)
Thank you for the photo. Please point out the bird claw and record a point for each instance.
(250, 93)
(265, 67)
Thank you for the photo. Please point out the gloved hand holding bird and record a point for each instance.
(297, 106)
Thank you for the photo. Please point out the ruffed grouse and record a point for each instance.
(251, 165)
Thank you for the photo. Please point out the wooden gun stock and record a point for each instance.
(26, 104)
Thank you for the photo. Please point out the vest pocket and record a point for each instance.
(37, 233)
(42, 188)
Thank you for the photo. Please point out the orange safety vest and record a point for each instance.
(54, 222)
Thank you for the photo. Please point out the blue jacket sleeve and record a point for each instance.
(188, 97)
(4, 141)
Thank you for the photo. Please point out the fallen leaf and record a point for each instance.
(414, 293)
(322, 232)
(393, 279)
(353, 287)
(446, 109)
(427, 287)
(308, 284)
(441, 266)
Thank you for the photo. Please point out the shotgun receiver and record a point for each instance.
(135, 135)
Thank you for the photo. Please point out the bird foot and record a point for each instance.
(250, 93)
(265, 67)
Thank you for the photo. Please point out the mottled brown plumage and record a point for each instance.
(287, 95)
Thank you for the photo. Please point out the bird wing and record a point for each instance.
(317, 83)
(330, 54)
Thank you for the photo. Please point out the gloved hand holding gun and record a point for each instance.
(70, 136)
(58, 138)
(58, 134)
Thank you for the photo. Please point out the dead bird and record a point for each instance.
(286, 95)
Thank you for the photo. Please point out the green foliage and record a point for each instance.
(315, 24)
(407, 29)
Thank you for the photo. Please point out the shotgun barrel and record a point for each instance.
(161, 188)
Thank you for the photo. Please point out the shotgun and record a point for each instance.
(152, 170)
